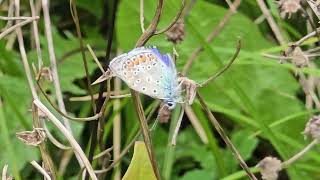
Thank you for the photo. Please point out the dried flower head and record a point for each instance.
(312, 128)
(298, 57)
(32, 138)
(164, 113)
(270, 167)
(289, 7)
(45, 73)
(190, 87)
(176, 32)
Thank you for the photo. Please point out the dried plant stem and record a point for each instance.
(273, 25)
(117, 130)
(95, 96)
(95, 58)
(107, 151)
(16, 18)
(211, 36)
(36, 35)
(18, 25)
(52, 57)
(234, 57)
(76, 147)
(47, 160)
(4, 172)
(53, 140)
(177, 127)
(306, 37)
(225, 138)
(300, 154)
(92, 118)
(40, 169)
(142, 16)
(178, 16)
(84, 58)
(195, 123)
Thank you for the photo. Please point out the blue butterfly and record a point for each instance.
(147, 71)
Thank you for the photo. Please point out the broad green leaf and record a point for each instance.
(140, 167)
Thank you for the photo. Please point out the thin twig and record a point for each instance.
(214, 33)
(273, 25)
(178, 16)
(53, 62)
(92, 118)
(76, 147)
(103, 153)
(225, 138)
(23, 53)
(40, 169)
(297, 156)
(178, 125)
(18, 25)
(17, 18)
(36, 35)
(95, 96)
(117, 129)
(195, 123)
(95, 58)
(234, 57)
(142, 16)
(306, 37)
(53, 140)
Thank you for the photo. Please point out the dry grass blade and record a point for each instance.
(18, 25)
(4, 172)
(41, 170)
(225, 138)
(76, 147)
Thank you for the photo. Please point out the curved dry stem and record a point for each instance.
(234, 57)
(178, 16)
(18, 25)
(92, 118)
(76, 147)
(225, 138)
(54, 140)
(103, 153)
(40, 169)
(36, 35)
(87, 98)
(306, 37)
(297, 156)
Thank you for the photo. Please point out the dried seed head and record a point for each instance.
(164, 113)
(32, 138)
(312, 128)
(298, 57)
(270, 167)
(176, 32)
(45, 73)
(190, 86)
(289, 7)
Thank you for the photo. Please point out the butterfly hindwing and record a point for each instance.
(147, 71)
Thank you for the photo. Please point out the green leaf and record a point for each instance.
(140, 167)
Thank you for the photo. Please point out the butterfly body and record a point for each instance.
(147, 71)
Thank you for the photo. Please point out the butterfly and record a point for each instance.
(149, 72)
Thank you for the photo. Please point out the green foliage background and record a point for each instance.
(258, 100)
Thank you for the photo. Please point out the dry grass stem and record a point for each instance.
(95, 59)
(306, 37)
(40, 169)
(4, 172)
(36, 35)
(95, 96)
(54, 141)
(177, 128)
(225, 138)
(178, 16)
(104, 152)
(196, 125)
(76, 147)
(300, 154)
(18, 18)
(18, 25)
(271, 22)
(117, 129)
(226, 67)
(53, 62)
(142, 16)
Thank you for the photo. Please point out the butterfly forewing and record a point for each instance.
(147, 71)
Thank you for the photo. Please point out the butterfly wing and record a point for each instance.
(147, 71)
